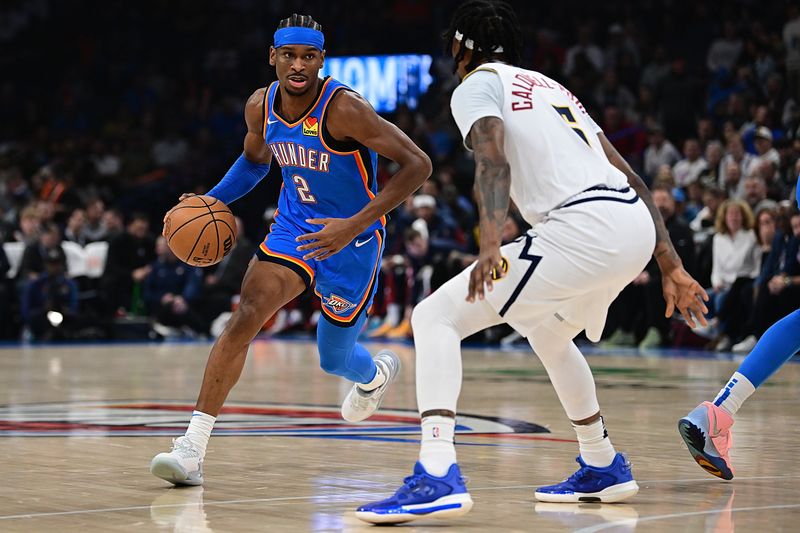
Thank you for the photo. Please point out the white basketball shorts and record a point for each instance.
(575, 262)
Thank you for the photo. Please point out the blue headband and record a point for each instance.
(295, 35)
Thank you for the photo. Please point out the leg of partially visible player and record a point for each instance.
(342, 355)
(605, 475)
(706, 430)
(436, 488)
(266, 288)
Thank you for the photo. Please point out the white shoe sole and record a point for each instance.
(446, 507)
(616, 493)
(168, 469)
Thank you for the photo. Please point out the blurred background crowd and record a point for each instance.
(108, 111)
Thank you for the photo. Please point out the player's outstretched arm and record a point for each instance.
(680, 289)
(492, 192)
(350, 117)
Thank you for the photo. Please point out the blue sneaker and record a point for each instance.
(422, 495)
(612, 483)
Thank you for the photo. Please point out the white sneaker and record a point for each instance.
(183, 465)
(746, 345)
(360, 404)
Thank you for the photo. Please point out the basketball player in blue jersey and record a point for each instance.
(707, 429)
(328, 230)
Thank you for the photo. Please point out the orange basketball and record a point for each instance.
(200, 230)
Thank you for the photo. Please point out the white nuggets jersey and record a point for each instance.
(551, 142)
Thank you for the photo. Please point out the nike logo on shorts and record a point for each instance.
(359, 244)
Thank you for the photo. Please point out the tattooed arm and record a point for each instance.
(680, 289)
(492, 192)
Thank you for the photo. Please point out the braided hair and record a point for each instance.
(300, 21)
(490, 24)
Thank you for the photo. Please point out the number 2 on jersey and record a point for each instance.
(302, 190)
(569, 118)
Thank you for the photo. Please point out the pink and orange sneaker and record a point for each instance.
(707, 433)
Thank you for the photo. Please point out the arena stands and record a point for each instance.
(100, 135)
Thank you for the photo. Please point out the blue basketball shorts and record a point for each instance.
(345, 282)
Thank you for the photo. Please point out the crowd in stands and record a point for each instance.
(100, 134)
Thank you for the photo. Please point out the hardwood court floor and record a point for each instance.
(288, 463)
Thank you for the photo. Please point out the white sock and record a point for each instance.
(199, 430)
(376, 382)
(733, 395)
(595, 446)
(437, 452)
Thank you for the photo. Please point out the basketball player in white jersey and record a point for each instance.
(594, 228)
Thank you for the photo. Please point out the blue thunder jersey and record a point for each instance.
(322, 177)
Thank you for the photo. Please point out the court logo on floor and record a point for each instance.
(147, 419)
